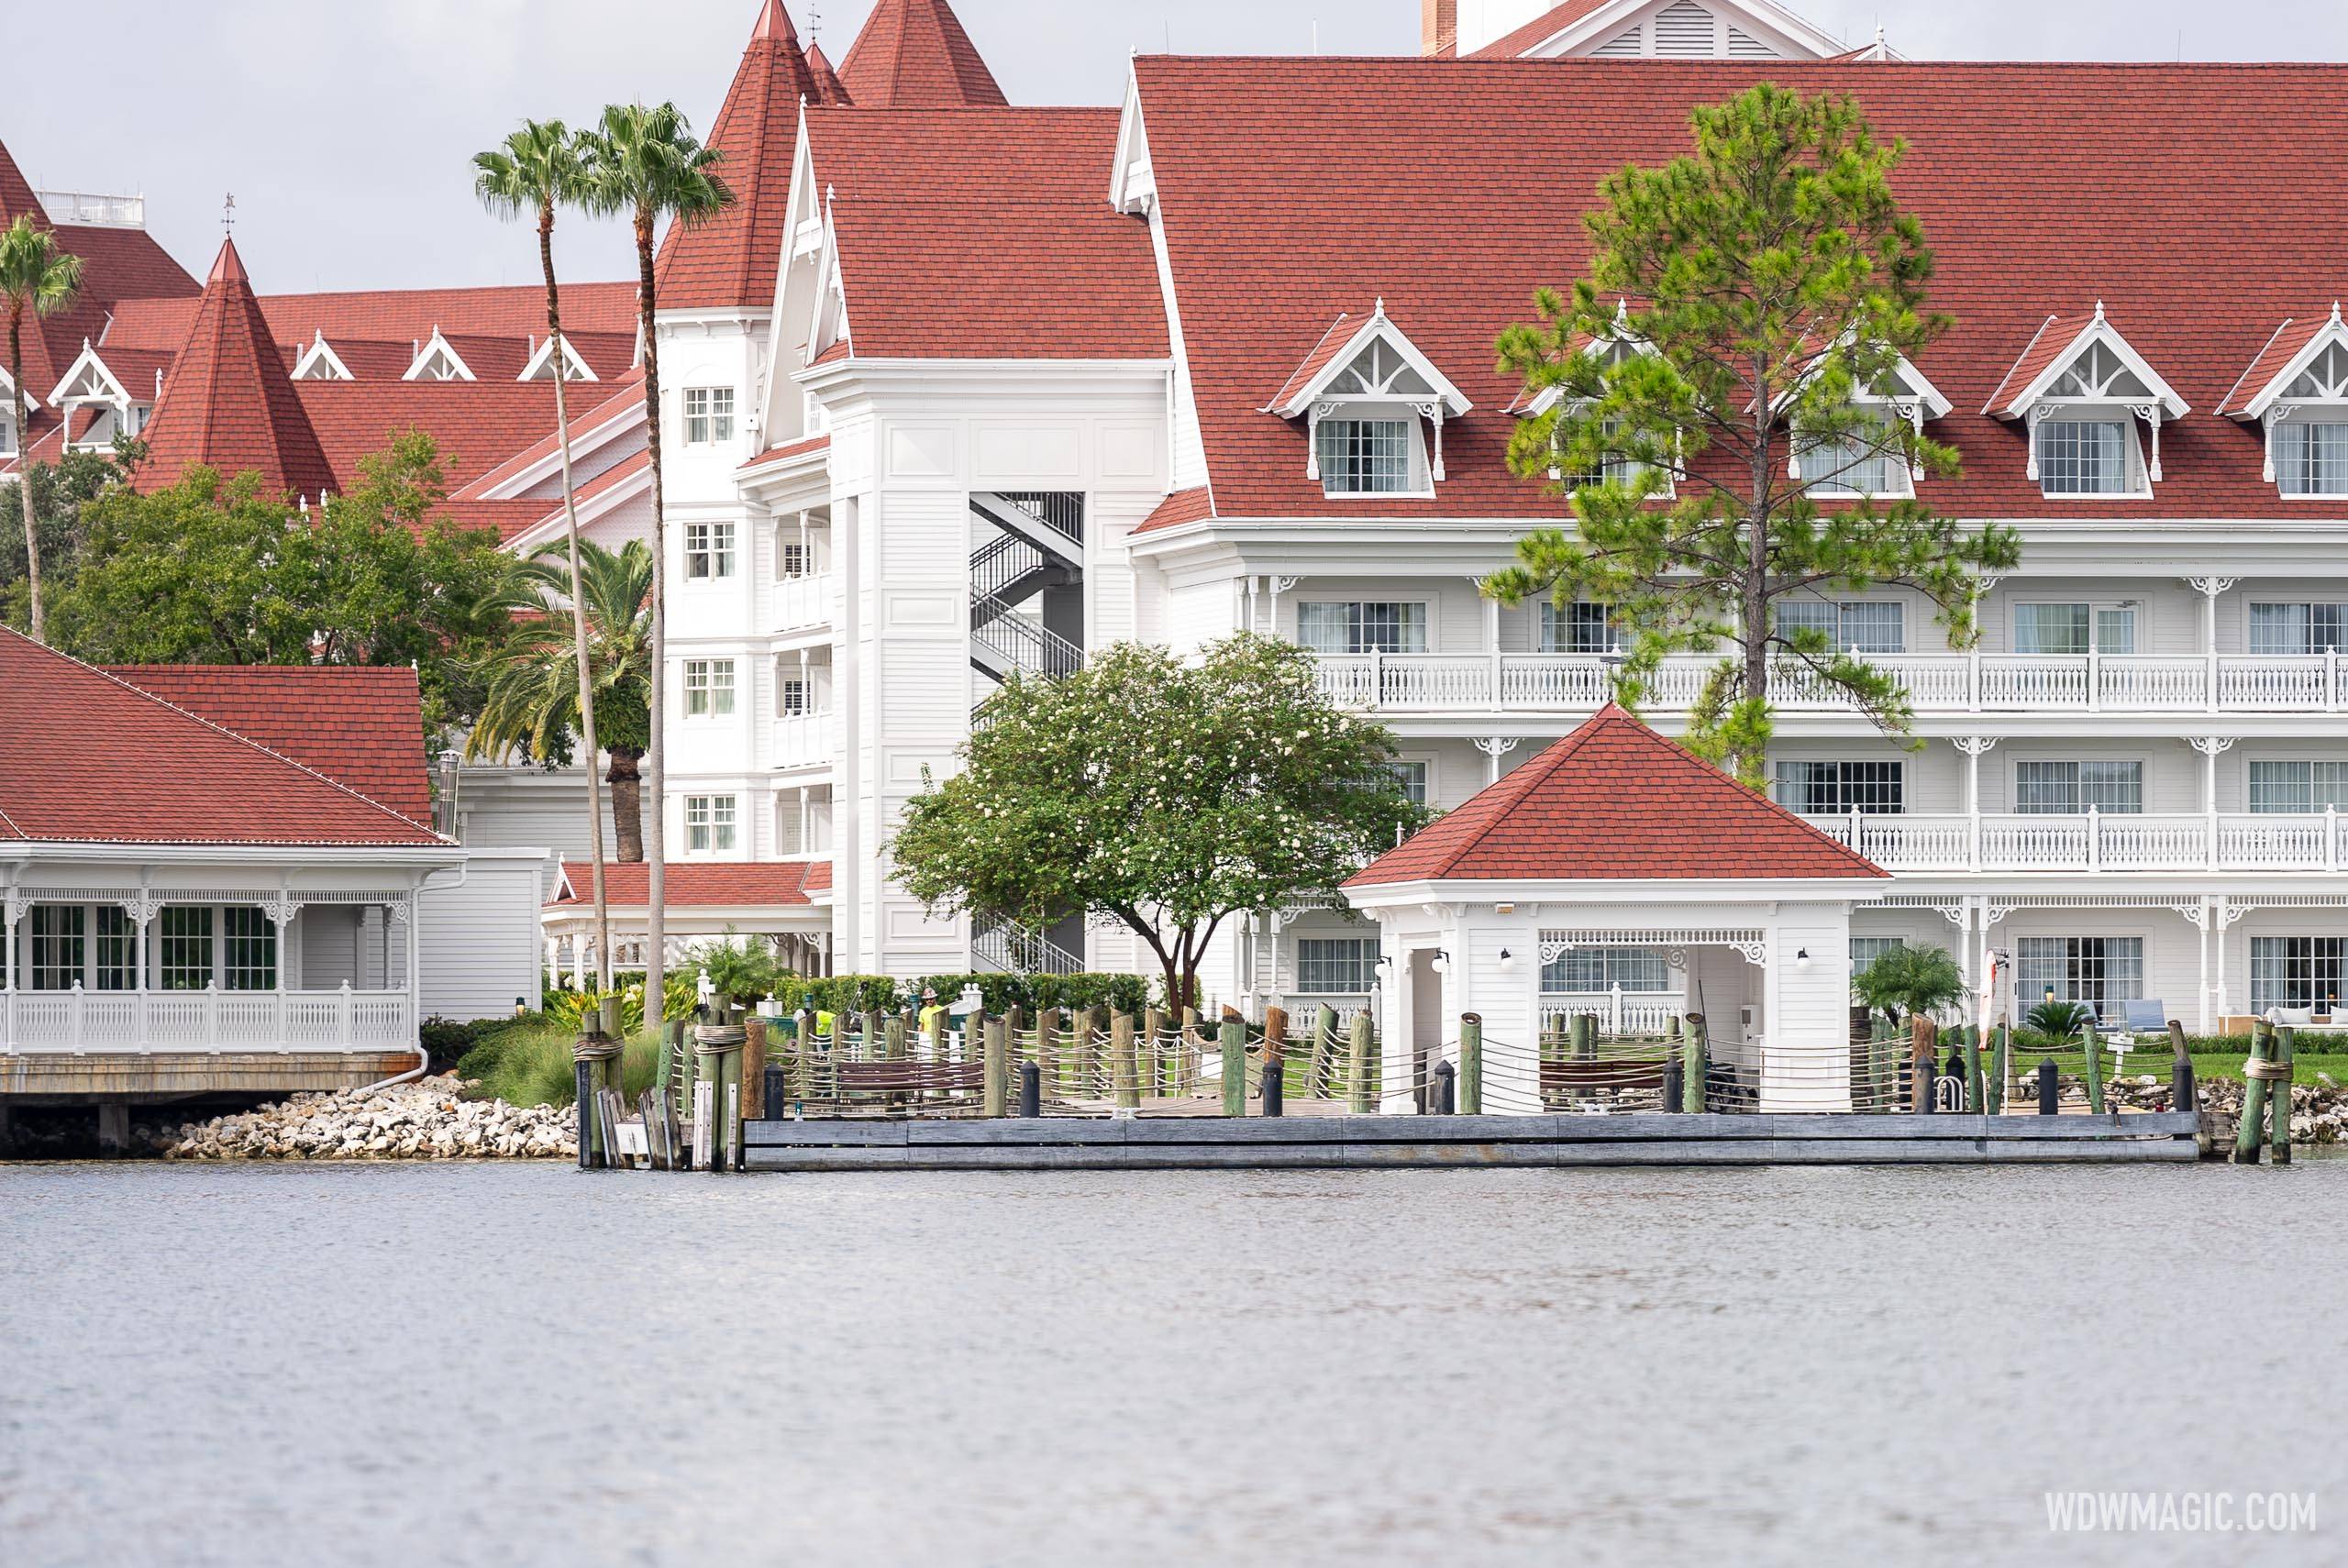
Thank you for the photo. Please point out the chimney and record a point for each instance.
(1438, 25)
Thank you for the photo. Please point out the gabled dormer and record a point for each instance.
(100, 400)
(2297, 392)
(319, 362)
(2093, 406)
(1374, 408)
(1861, 462)
(438, 361)
(1600, 353)
(540, 367)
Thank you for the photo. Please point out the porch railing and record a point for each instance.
(2094, 840)
(805, 740)
(100, 1022)
(1618, 1011)
(1959, 683)
(801, 601)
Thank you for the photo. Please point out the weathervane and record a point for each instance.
(228, 213)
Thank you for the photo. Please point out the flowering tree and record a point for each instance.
(1169, 796)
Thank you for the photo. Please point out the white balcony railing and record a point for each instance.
(803, 601)
(100, 1022)
(2094, 841)
(1944, 684)
(805, 740)
(1618, 1011)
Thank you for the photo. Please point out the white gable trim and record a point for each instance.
(1133, 183)
(541, 365)
(1379, 328)
(438, 349)
(2097, 331)
(319, 362)
(555, 526)
(1761, 20)
(97, 383)
(2333, 331)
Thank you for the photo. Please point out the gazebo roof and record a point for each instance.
(1614, 800)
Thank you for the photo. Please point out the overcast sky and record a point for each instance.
(345, 129)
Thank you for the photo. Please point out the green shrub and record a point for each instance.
(1119, 993)
(2062, 1019)
(740, 970)
(445, 1041)
(838, 993)
(530, 1064)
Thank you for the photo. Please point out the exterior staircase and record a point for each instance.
(1011, 948)
(1037, 547)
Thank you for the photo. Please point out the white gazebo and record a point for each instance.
(1616, 874)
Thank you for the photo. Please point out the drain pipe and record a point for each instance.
(422, 1056)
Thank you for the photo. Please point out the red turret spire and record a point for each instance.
(914, 54)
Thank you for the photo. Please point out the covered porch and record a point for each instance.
(785, 903)
(127, 958)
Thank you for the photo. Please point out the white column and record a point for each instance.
(2209, 1019)
(2218, 924)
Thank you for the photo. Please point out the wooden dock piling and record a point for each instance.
(2251, 1133)
(1232, 1039)
(1471, 1064)
(1125, 1080)
(1361, 1051)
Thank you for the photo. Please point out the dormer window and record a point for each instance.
(438, 361)
(1613, 465)
(2093, 407)
(1374, 408)
(2297, 391)
(542, 364)
(319, 362)
(1870, 458)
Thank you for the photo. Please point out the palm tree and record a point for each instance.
(643, 164)
(35, 276)
(533, 703)
(536, 170)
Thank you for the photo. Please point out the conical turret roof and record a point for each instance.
(228, 403)
(914, 54)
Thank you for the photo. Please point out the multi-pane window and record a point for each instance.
(2296, 971)
(116, 955)
(794, 696)
(186, 947)
(60, 945)
(1861, 461)
(709, 549)
(2297, 787)
(1335, 966)
(1866, 950)
(2297, 628)
(2069, 788)
(1579, 628)
(1364, 456)
(2074, 628)
(709, 823)
(794, 559)
(2311, 459)
(2084, 457)
(247, 950)
(1851, 626)
(709, 415)
(709, 688)
(1837, 788)
(1360, 628)
(1603, 969)
(2105, 972)
(1412, 774)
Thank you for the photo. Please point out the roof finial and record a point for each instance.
(2098, 310)
(1381, 305)
(2335, 313)
(228, 213)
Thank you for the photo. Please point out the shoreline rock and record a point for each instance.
(427, 1118)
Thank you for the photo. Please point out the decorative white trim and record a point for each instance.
(541, 363)
(319, 362)
(438, 347)
(1378, 328)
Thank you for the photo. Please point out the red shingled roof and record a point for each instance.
(700, 884)
(783, 453)
(593, 409)
(1294, 188)
(228, 404)
(2289, 338)
(1614, 800)
(728, 262)
(1539, 30)
(1009, 205)
(88, 757)
(1183, 506)
(364, 728)
(830, 91)
(404, 316)
(914, 54)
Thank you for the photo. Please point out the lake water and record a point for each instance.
(515, 1365)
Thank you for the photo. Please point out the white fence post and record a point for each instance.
(212, 1014)
(342, 1015)
(79, 1024)
(2095, 839)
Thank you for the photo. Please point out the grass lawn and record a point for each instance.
(2155, 1061)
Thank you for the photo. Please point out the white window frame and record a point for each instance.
(2111, 1008)
(2250, 626)
(2078, 791)
(712, 824)
(1899, 467)
(2097, 609)
(712, 410)
(1366, 951)
(1427, 622)
(2045, 399)
(711, 551)
(2300, 393)
(2306, 414)
(1842, 641)
(1422, 791)
(709, 688)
